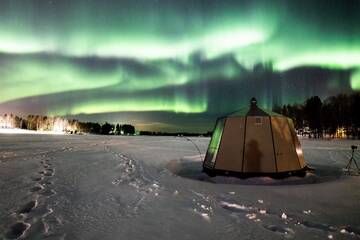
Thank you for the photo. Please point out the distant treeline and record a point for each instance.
(59, 124)
(106, 128)
(336, 116)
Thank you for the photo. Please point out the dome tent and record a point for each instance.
(254, 141)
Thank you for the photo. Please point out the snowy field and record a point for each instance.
(101, 187)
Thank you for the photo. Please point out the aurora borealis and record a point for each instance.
(164, 64)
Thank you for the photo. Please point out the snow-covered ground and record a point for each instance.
(101, 187)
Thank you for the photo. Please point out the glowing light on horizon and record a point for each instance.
(6, 122)
(24, 131)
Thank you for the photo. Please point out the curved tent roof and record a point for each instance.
(252, 110)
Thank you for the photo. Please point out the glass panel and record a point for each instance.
(214, 144)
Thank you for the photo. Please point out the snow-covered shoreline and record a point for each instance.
(26, 131)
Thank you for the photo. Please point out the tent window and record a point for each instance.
(259, 121)
(214, 143)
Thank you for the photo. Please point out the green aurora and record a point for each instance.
(90, 57)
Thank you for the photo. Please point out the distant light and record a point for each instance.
(25, 131)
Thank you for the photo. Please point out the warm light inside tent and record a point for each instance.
(299, 151)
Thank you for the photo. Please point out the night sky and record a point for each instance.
(173, 65)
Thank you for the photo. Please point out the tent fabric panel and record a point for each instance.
(230, 153)
(259, 151)
(214, 144)
(239, 113)
(297, 145)
(255, 111)
(286, 157)
(252, 112)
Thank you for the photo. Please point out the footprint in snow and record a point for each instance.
(48, 193)
(28, 207)
(279, 229)
(38, 179)
(49, 173)
(17, 230)
(37, 188)
(48, 183)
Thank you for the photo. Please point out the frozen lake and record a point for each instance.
(110, 187)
